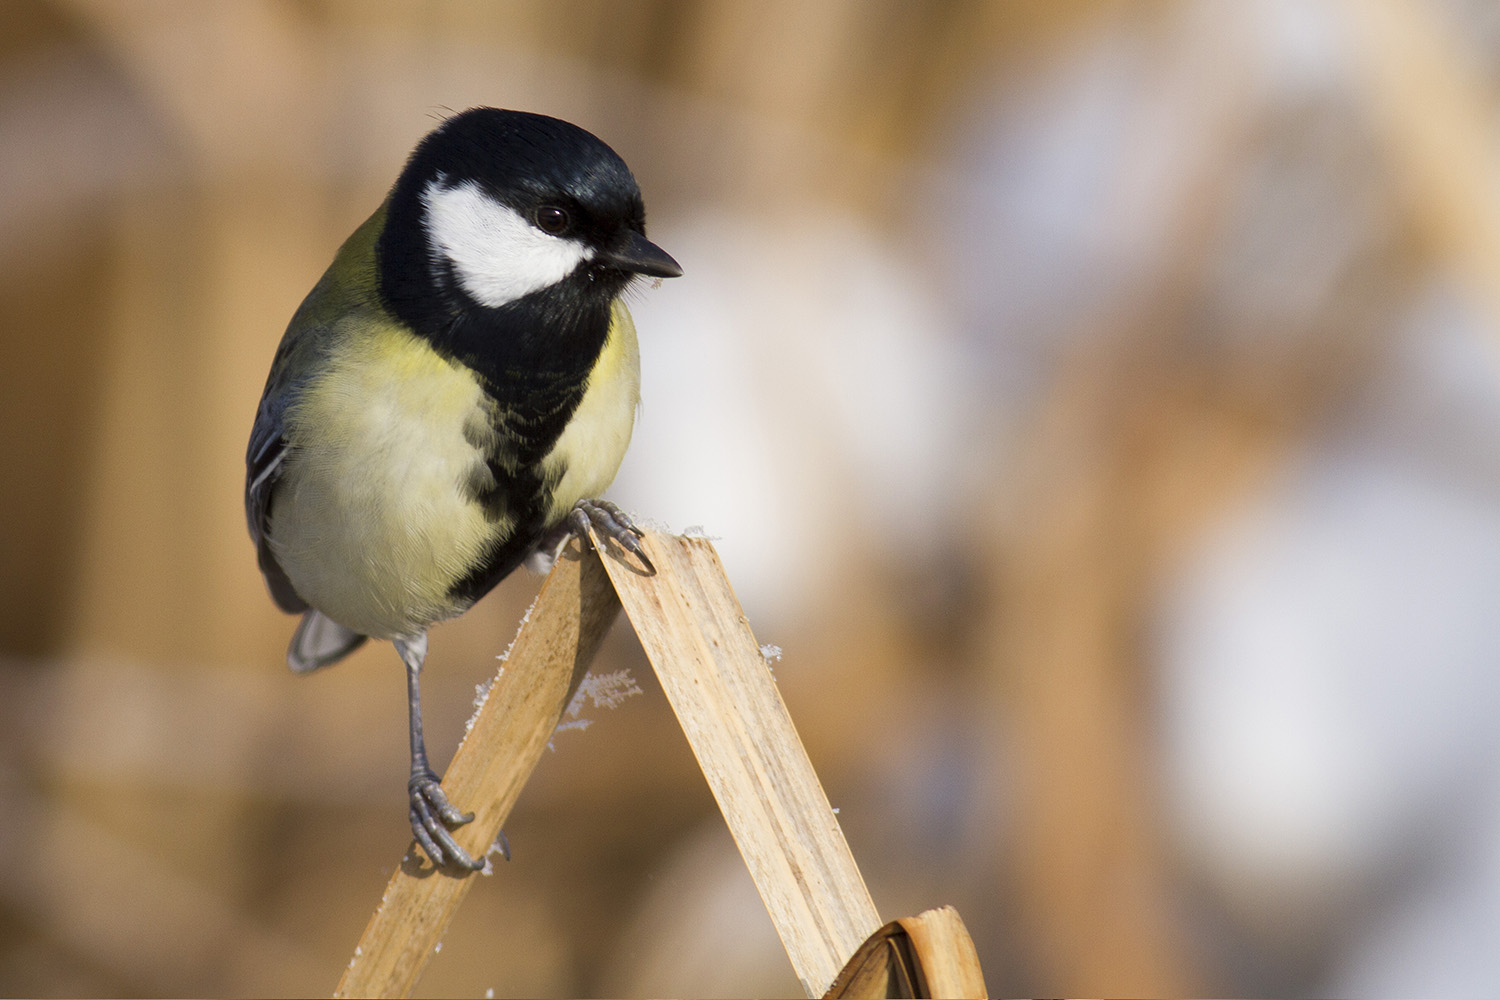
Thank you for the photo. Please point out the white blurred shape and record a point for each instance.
(1305, 44)
(800, 397)
(1329, 658)
(1076, 183)
(1036, 169)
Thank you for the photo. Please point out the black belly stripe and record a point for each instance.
(533, 358)
(509, 484)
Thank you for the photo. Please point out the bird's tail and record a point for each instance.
(319, 641)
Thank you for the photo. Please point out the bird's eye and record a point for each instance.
(553, 220)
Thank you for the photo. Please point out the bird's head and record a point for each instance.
(494, 206)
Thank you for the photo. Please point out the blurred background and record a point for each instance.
(1097, 402)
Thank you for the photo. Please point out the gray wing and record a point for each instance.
(301, 347)
(319, 640)
(344, 294)
(263, 461)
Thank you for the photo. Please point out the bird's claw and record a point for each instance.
(431, 815)
(609, 521)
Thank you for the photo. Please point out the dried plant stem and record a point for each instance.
(551, 653)
(713, 673)
(718, 683)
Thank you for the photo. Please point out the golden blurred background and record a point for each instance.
(1096, 402)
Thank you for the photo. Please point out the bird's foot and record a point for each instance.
(431, 816)
(610, 522)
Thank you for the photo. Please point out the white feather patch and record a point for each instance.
(496, 253)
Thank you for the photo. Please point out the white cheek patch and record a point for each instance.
(497, 255)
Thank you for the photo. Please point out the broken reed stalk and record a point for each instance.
(548, 659)
(929, 955)
(711, 668)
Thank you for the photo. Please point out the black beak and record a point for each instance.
(642, 256)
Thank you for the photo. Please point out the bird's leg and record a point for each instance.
(610, 522)
(430, 811)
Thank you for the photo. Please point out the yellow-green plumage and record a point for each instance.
(373, 527)
(456, 391)
(379, 453)
(589, 451)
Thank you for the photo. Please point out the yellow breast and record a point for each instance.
(591, 447)
(370, 521)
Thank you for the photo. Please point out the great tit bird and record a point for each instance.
(457, 389)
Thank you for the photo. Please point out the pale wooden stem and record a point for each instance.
(551, 653)
(711, 668)
(929, 955)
